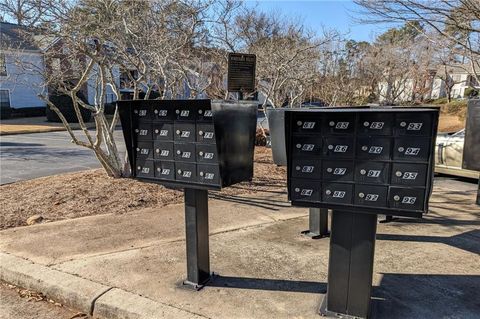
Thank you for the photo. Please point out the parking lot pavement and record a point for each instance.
(424, 268)
(27, 156)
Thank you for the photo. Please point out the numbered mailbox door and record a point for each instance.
(305, 190)
(340, 171)
(368, 195)
(407, 198)
(415, 124)
(307, 168)
(307, 145)
(412, 149)
(372, 172)
(375, 124)
(409, 174)
(337, 193)
(339, 147)
(165, 170)
(377, 148)
(339, 123)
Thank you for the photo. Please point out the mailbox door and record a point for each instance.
(409, 174)
(337, 193)
(165, 170)
(185, 113)
(304, 168)
(186, 172)
(340, 171)
(406, 198)
(184, 132)
(163, 112)
(339, 147)
(205, 133)
(144, 168)
(208, 174)
(307, 123)
(184, 152)
(164, 151)
(412, 149)
(414, 124)
(204, 114)
(304, 145)
(375, 124)
(142, 113)
(373, 148)
(163, 131)
(339, 123)
(305, 190)
(368, 195)
(144, 150)
(143, 132)
(372, 172)
(207, 153)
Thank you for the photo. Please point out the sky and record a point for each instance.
(338, 14)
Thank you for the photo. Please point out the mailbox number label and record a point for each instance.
(376, 125)
(308, 169)
(163, 133)
(371, 197)
(342, 125)
(145, 170)
(307, 192)
(409, 200)
(143, 132)
(209, 176)
(412, 151)
(414, 126)
(185, 134)
(165, 171)
(208, 156)
(409, 175)
(186, 154)
(187, 174)
(373, 173)
(308, 147)
(142, 112)
(208, 135)
(184, 113)
(208, 113)
(341, 148)
(339, 194)
(164, 153)
(375, 150)
(308, 125)
(144, 151)
(162, 112)
(339, 171)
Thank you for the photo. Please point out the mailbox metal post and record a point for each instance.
(350, 267)
(317, 223)
(196, 228)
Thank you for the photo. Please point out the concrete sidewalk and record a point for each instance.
(128, 266)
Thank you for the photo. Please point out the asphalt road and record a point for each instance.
(27, 156)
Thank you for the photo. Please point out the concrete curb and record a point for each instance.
(85, 295)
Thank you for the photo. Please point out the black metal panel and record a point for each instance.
(471, 149)
(241, 72)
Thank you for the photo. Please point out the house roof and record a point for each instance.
(14, 36)
(455, 69)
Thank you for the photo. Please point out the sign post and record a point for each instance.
(241, 73)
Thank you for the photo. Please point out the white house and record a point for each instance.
(19, 85)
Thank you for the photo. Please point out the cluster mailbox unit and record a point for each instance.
(197, 145)
(359, 163)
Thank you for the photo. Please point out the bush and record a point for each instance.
(442, 100)
(65, 104)
(471, 92)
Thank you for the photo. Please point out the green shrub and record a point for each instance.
(470, 92)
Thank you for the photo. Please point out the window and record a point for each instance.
(3, 65)
(4, 98)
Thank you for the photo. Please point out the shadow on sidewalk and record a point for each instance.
(252, 201)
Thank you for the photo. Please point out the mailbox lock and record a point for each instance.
(156, 111)
(139, 167)
(361, 195)
(200, 111)
(299, 123)
(366, 124)
(200, 153)
(201, 174)
(330, 147)
(398, 173)
(158, 169)
(363, 172)
(328, 192)
(364, 148)
(332, 123)
(298, 145)
(403, 124)
(178, 132)
(156, 131)
(136, 111)
(177, 111)
(179, 152)
(138, 149)
(200, 132)
(396, 198)
(401, 149)
(157, 150)
(179, 171)
(329, 170)
(136, 130)
(297, 168)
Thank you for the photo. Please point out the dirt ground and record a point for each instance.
(92, 193)
(450, 123)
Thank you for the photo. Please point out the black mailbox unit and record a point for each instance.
(197, 145)
(359, 163)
